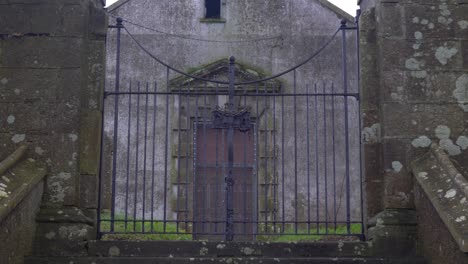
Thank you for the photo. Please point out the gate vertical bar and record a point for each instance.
(153, 163)
(345, 87)
(229, 178)
(296, 213)
(119, 27)
(144, 159)
(137, 160)
(127, 177)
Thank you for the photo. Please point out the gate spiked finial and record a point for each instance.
(343, 23)
(119, 21)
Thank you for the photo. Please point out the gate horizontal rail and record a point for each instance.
(356, 95)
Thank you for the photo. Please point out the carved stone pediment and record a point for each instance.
(219, 70)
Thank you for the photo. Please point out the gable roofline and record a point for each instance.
(116, 5)
(340, 12)
(325, 3)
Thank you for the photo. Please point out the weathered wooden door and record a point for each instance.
(210, 193)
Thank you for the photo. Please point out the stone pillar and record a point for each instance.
(415, 83)
(52, 55)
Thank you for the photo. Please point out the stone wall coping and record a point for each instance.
(447, 190)
(17, 179)
(12, 159)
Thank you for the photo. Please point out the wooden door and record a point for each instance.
(209, 184)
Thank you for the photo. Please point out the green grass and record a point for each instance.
(302, 234)
(127, 231)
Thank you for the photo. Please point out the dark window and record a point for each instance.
(213, 8)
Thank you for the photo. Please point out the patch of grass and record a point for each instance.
(290, 234)
(149, 230)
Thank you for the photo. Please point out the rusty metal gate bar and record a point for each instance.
(240, 130)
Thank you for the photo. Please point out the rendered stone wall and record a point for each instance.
(300, 27)
(415, 76)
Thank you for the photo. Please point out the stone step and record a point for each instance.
(225, 260)
(223, 249)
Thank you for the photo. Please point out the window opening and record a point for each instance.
(213, 9)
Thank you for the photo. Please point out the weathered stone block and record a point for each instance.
(395, 152)
(440, 55)
(269, 152)
(12, 19)
(62, 239)
(60, 189)
(269, 173)
(28, 117)
(89, 191)
(63, 231)
(42, 52)
(179, 173)
(90, 138)
(4, 118)
(398, 190)
(412, 121)
(394, 53)
(393, 86)
(371, 118)
(66, 116)
(394, 232)
(53, 18)
(389, 18)
(464, 51)
(181, 150)
(92, 93)
(73, 23)
(18, 85)
(432, 20)
(369, 76)
(429, 86)
(97, 20)
(430, 2)
(372, 159)
(179, 204)
(374, 197)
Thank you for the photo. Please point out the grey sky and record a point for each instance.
(347, 5)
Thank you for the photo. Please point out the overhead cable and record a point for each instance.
(315, 54)
(196, 38)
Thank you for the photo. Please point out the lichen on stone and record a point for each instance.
(442, 132)
(461, 92)
(444, 54)
(397, 166)
(421, 142)
(450, 193)
(17, 138)
(462, 141)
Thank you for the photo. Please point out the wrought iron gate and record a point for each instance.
(277, 160)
